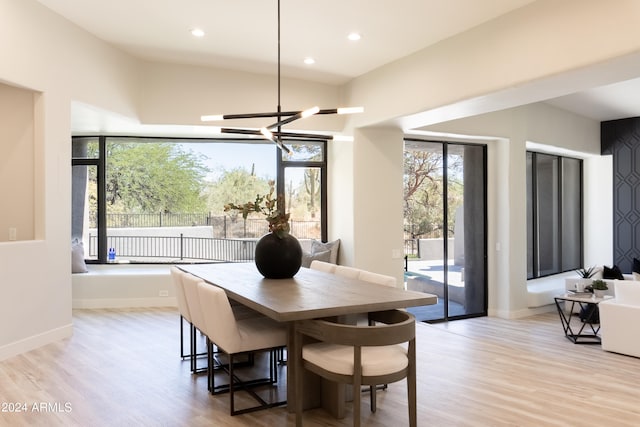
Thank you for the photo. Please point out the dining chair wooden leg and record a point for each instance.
(411, 386)
(357, 384)
(297, 374)
(372, 391)
(356, 404)
(411, 392)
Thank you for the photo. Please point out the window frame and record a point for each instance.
(534, 220)
(101, 163)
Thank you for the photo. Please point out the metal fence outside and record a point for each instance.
(230, 238)
(132, 220)
(412, 248)
(233, 238)
(223, 226)
(178, 248)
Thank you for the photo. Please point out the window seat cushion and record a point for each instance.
(123, 285)
(541, 293)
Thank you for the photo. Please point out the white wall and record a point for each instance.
(598, 210)
(378, 238)
(340, 164)
(59, 62)
(176, 94)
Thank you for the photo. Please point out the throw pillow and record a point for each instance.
(333, 247)
(308, 257)
(612, 273)
(636, 266)
(77, 258)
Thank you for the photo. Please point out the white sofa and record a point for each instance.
(620, 319)
(570, 283)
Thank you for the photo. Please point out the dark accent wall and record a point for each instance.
(621, 138)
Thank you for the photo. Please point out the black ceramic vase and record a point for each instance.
(278, 258)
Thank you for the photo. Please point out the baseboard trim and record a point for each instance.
(88, 303)
(35, 341)
(519, 314)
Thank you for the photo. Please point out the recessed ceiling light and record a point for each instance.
(309, 61)
(197, 32)
(354, 36)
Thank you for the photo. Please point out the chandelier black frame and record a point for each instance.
(274, 131)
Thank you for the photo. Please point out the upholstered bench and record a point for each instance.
(123, 285)
(540, 294)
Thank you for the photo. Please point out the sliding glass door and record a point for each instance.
(445, 227)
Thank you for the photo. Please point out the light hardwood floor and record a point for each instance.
(121, 368)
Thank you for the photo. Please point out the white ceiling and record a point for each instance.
(610, 102)
(242, 35)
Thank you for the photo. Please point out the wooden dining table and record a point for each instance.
(310, 294)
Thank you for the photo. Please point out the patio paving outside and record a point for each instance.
(428, 276)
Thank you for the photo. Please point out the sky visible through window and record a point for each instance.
(219, 157)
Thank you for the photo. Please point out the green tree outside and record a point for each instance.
(424, 190)
(153, 177)
(236, 186)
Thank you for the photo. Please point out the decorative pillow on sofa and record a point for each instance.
(612, 273)
(308, 257)
(77, 258)
(636, 269)
(333, 247)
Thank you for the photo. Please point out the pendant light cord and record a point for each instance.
(279, 106)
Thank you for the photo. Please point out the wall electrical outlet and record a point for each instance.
(164, 293)
(13, 233)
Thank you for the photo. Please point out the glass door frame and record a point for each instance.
(445, 246)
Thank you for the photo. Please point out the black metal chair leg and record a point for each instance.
(182, 355)
(193, 348)
(210, 365)
(231, 385)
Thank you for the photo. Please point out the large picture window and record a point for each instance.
(554, 214)
(162, 199)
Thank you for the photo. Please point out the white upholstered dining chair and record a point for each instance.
(327, 267)
(380, 279)
(358, 355)
(185, 315)
(346, 271)
(239, 336)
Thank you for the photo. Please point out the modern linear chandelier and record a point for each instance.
(274, 132)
